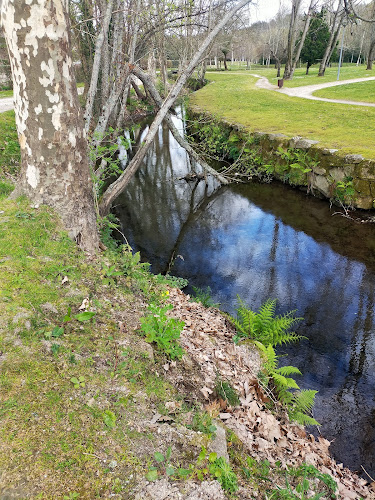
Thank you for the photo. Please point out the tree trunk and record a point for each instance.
(115, 189)
(96, 64)
(54, 160)
(332, 40)
(291, 39)
(303, 38)
(370, 57)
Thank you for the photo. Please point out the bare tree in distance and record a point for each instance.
(294, 51)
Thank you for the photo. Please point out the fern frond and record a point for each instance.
(264, 325)
(304, 400)
(288, 370)
(269, 356)
(284, 382)
(303, 419)
(292, 384)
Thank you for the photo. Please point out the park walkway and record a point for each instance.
(306, 92)
(6, 103)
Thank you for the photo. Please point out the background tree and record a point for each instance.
(294, 49)
(316, 40)
(335, 19)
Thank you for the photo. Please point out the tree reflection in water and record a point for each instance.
(269, 241)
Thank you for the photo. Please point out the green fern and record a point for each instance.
(301, 407)
(299, 403)
(264, 326)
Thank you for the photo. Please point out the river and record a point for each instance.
(263, 241)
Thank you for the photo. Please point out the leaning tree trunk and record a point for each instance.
(116, 187)
(54, 162)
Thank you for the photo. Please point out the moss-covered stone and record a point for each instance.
(328, 167)
(362, 187)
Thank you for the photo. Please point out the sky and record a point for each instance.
(264, 10)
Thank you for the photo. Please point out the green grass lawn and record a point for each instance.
(300, 78)
(6, 93)
(363, 91)
(235, 97)
(9, 146)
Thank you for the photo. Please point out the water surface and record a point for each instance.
(270, 241)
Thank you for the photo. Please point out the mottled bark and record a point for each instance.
(54, 167)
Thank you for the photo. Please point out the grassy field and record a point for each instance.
(234, 96)
(9, 146)
(6, 93)
(347, 72)
(363, 91)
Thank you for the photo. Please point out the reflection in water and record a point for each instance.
(262, 241)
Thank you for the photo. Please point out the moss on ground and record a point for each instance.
(57, 438)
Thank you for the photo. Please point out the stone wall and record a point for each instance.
(332, 168)
(328, 166)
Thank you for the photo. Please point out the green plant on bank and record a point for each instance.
(131, 265)
(158, 328)
(225, 391)
(344, 192)
(163, 467)
(263, 325)
(72, 496)
(105, 157)
(172, 281)
(203, 422)
(304, 487)
(299, 404)
(208, 464)
(204, 297)
(110, 274)
(298, 165)
(218, 468)
(59, 330)
(78, 382)
(253, 469)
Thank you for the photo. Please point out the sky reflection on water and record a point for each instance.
(269, 241)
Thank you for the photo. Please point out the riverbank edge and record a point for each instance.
(30, 361)
(347, 180)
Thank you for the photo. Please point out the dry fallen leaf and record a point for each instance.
(85, 304)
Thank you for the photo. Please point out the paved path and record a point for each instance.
(6, 103)
(306, 91)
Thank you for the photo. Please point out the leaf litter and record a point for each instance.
(210, 351)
